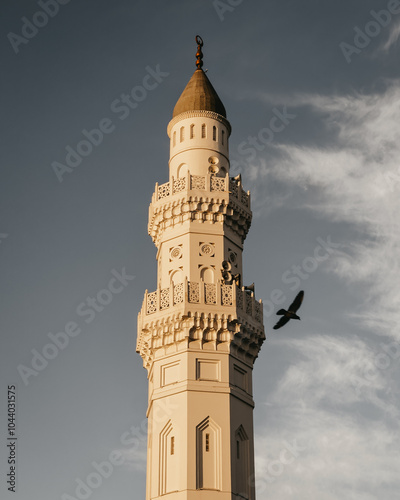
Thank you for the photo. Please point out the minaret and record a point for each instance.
(200, 332)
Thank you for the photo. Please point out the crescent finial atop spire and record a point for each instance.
(199, 94)
(199, 53)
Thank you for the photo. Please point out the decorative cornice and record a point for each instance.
(199, 114)
(223, 209)
(199, 330)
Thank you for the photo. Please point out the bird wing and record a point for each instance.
(297, 302)
(281, 322)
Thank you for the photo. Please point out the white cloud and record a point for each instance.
(339, 397)
(355, 181)
(343, 453)
(135, 457)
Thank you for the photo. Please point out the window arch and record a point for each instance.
(242, 463)
(168, 460)
(176, 277)
(181, 171)
(203, 131)
(214, 133)
(192, 130)
(207, 275)
(208, 455)
(222, 136)
(174, 139)
(182, 134)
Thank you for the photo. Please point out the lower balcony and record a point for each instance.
(215, 295)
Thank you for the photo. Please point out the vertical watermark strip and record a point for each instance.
(12, 438)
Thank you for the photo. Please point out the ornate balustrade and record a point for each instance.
(190, 292)
(203, 183)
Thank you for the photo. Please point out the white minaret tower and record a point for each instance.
(200, 332)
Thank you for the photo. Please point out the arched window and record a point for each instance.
(222, 136)
(181, 171)
(168, 460)
(177, 277)
(203, 131)
(208, 455)
(207, 275)
(174, 139)
(182, 134)
(242, 466)
(192, 130)
(214, 133)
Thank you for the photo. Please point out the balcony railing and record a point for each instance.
(203, 183)
(190, 292)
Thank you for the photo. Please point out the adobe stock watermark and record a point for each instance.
(88, 309)
(250, 148)
(122, 107)
(297, 273)
(40, 19)
(134, 438)
(275, 468)
(221, 7)
(362, 38)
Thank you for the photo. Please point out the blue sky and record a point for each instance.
(325, 183)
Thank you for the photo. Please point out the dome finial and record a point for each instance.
(199, 53)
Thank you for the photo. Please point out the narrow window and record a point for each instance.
(237, 449)
(223, 136)
(182, 134)
(172, 445)
(192, 131)
(214, 133)
(203, 131)
(207, 442)
(174, 139)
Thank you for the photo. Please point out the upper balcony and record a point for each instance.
(196, 183)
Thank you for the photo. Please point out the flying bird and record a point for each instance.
(291, 312)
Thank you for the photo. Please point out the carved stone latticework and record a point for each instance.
(152, 302)
(197, 182)
(179, 185)
(164, 298)
(163, 190)
(178, 293)
(226, 294)
(194, 292)
(217, 183)
(210, 293)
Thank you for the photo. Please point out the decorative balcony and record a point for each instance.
(190, 295)
(202, 315)
(208, 183)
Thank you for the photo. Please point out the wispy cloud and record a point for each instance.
(135, 459)
(355, 180)
(342, 432)
(393, 37)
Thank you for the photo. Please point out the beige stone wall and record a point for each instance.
(201, 408)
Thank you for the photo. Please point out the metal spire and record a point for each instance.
(199, 53)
